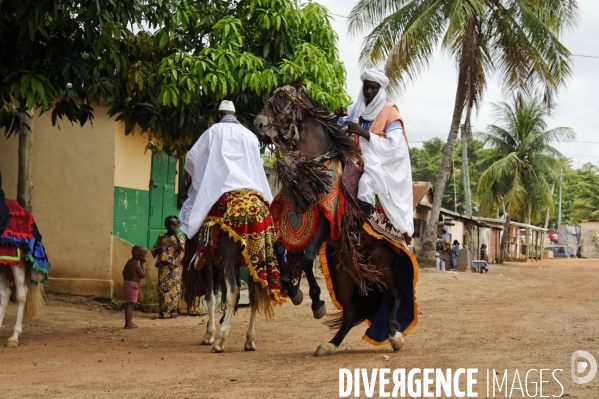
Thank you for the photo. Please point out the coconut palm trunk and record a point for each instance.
(506, 232)
(518, 39)
(426, 256)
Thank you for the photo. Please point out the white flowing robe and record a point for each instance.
(388, 175)
(225, 158)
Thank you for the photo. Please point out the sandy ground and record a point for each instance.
(518, 316)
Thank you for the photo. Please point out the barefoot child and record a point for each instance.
(132, 274)
(169, 251)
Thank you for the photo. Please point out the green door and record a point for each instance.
(163, 200)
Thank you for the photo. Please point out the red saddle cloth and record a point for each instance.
(19, 226)
(20, 222)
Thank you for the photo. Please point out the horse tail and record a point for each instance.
(34, 304)
(260, 300)
(365, 307)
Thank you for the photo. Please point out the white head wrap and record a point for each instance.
(370, 111)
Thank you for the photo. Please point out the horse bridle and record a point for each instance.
(291, 111)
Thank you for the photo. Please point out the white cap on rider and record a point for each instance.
(226, 105)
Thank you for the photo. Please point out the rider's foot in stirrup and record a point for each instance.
(365, 207)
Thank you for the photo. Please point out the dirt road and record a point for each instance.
(518, 316)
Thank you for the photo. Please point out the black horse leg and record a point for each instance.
(318, 306)
(345, 290)
(382, 256)
(293, 291)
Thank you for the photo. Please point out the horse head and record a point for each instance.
(278, 120)
(293, 121)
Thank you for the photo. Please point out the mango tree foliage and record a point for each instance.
(47, 46)
(235, 50)
(161, 66)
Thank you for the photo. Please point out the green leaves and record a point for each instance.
(164, 66)
(32, 86)
(524, 163)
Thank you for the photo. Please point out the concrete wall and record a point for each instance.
(589, 248)
(132, 169)
(456, 231)
(73, 183)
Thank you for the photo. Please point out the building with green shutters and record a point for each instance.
(96, 193)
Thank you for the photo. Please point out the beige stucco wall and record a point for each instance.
(9, 164)
(73, 179)
(456, 231)
(132, 163)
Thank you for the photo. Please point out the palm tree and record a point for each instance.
(517, 39)
(586, 203)
(524, 165)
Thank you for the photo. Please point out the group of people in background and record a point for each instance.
(168, 251)
(446, 252)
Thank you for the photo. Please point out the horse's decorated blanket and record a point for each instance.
(378, 225)
(405, 273)
(297, 228)
(244, 215)
(22, 241)
(378, 228)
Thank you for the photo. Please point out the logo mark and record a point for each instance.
(580, 366)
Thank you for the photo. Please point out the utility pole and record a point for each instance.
(559, 214)
(465, 172)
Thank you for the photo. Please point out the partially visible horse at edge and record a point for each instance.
(16, 263)
(307, 136)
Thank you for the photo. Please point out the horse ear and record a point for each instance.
(298, 82)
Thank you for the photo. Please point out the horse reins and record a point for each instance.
(293, 108)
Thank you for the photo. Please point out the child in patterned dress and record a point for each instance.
(169, 250)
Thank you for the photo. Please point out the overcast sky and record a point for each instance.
(427, 104)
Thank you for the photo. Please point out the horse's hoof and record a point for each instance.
(397, 341)
(12, 344)
(208, 340)
(217, 349)
(249, 347)
(325, 349)
(320, 312)
(298, 298)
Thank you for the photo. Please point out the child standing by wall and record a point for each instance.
(132, 275)
(169, 249)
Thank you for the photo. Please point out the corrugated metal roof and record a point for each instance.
(419, 190)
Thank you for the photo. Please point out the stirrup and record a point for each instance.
(365, 207)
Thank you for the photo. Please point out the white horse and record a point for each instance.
(29, 296)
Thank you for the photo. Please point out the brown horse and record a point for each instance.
(305, 134)
(221, 272)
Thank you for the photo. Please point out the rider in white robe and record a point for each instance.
(225, 158)
(383, 141)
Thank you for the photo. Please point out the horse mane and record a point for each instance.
(338, 143)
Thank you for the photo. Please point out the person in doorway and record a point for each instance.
(445, 236)
(133, 272)
(169, 249)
